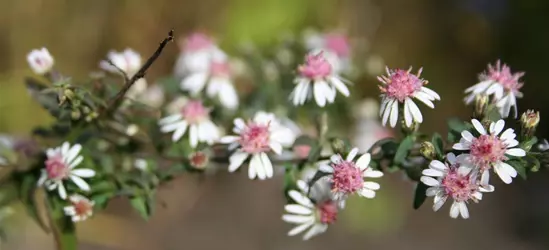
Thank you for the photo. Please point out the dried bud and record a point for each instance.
(428, 150)
(481, 102)
(199, 160)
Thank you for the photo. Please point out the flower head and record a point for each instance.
(401, 86)
(128, 61)
(450, 180)
(217, 81)
(60, 167)
(197, 52)
(315, 216)
(80, 209)
(256, 138)
(337, 43)
(317, 71)
(490, 150)
(500, 83)
(196, 42)
(40, 61)
(347, 175)
(194, 115)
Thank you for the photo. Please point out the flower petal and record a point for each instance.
(363, 161)
(297, 209)
(267, 165)
(300, 198)
(83, 172)
(236, 160)
(519, 152)
(478, 126)
(299, 229)
(80, 183)
(430, 181)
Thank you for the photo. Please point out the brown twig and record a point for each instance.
(115, 101)
(122, 72)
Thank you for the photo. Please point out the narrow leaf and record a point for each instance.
(439, 145)
(420, 195)
(403, 149)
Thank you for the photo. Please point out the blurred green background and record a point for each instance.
(452, 39)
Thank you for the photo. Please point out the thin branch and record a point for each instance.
(115, 102)
(122, 72)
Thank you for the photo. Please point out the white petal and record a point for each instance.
(62, 191)
(485, 178)
(193, 133)
(438, 165)
(432, 172)
(367, 193)
(276, 147)
(169, 120)
(408, 119)
(228, 96)
(467, 135)
(297, 93)
(65, 148)
(454, 210)
(300, 198)
(478, 126)
(372, 173)
(229, 139)
(351, 156)
(430, 181)
(299, 229)
(80, 183)
(438, 202)
(319, 93)
(316, 229)
(461, 146)
(297, 219)
(387, 112)
(394, 114)
(498, 127)
(501, 171)
(363, 161)
(509, 134)
(511, 143)
(371, 185)
(426, 99)
(236, 160)
(257, 163)
(519, 152)
(194, 83)
(430, 92)
(83, 172)
(76, 161)
(340, 86)
(297, 209)
(268, 166)
(416, 113)
(432, 191)
(73, 152)
(463, 210)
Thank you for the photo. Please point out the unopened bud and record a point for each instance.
(481, 102)
(86, 110)
(412, 129)
(530, 119)
(76, 114)
(338, 146)
(529, 122)
(428, 150)
(69, 94)
(198, 160)
(132, 130)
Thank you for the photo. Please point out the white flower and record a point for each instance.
(197, 52)
(401, 87)
(490, 150)
(195, 116)
(347, 176)
(141, 164)
(80, 209)
(454, 181)
(308, 215)
(129, 62)
(256, 138)
(152, 96)
(60, 166)
(502, 84)
(217, 77)
(319, 73)
(40, 61)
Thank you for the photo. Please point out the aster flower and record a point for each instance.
(129, 61)
(502, 84)
(255, 139)
(490, 150)
(308, 215)
(40, 61)
(347, 175)
(317, 71)
(401, 87)
(197, 52)
(217, 77)
(335, 45)
(195, 116)
(80, 209)
(60, 166)
(450, 180)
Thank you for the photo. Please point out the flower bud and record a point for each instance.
(76, 114)
(529, 122)
(338, 146)
(69, 94)
(427, 150)
(198, 160)
(40, 61)
(132, 129)
(481, 102)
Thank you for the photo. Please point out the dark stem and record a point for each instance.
(115, 101)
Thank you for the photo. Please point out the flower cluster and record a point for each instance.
(144, 135)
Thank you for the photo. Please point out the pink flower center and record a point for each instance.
(198, 160)
(220, 69)
(56, 168)
(487, 149)
(338, 44)
(39, 61)
(327, 212)
(82, 207)
(459, 187)
(196, 42)
(402, 84)
(347, 177)
(255, 138)
(502, 75)
(315, 67)
(194, 112)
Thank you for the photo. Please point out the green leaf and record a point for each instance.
(29, 197)
(439, 145)
(141, 206)
(519, 166)
(458, 125)
(314, 154)
(420, 195)
(527, 145)
(403, 149)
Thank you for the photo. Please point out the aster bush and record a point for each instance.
(273, 112)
